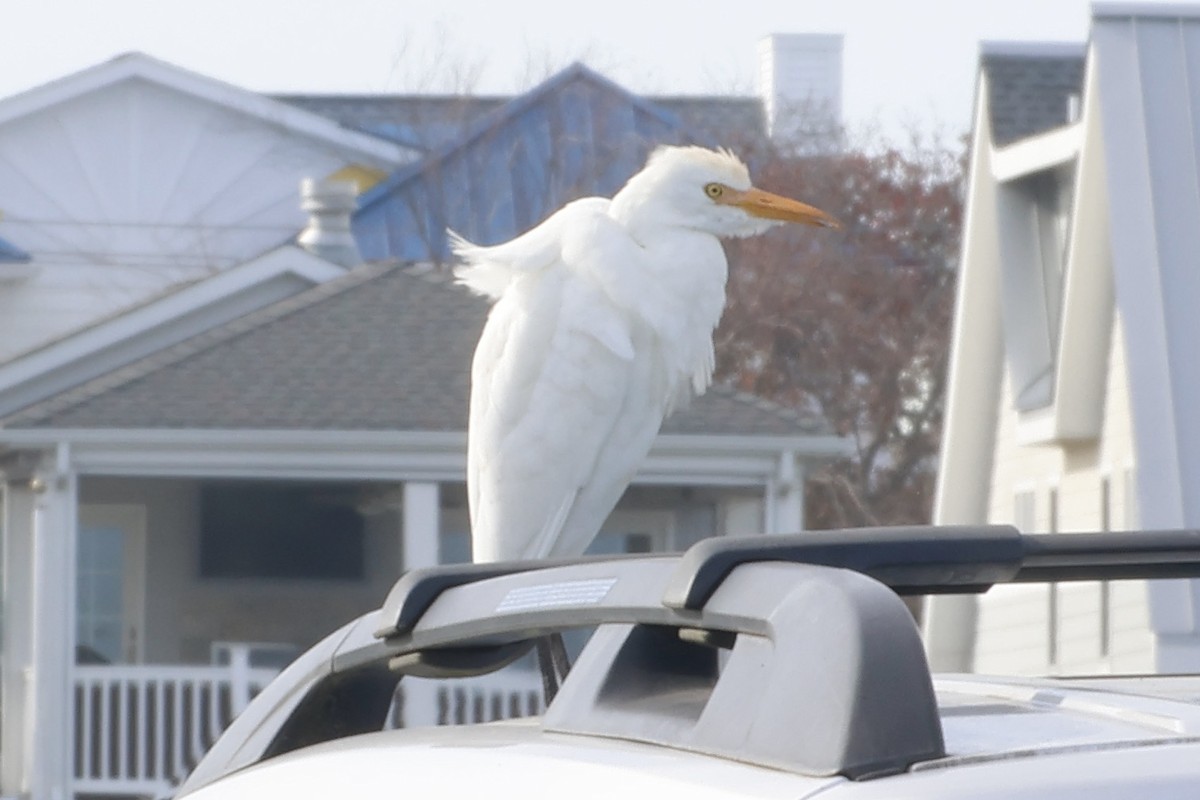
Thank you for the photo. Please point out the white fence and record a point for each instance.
(463, 701)
(139, 729)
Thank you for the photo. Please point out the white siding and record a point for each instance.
(1014, 621)
(134, 187)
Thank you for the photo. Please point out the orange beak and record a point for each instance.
(762, 204)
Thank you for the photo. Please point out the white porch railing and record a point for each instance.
(140, 729)
(464, 701)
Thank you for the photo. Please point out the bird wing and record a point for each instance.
(550, 378)
(620, 454)
(489, 271)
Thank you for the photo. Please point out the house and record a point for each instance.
(243, 448)
(1074, 366)
(134, 176)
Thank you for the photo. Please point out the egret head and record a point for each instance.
(710, 190)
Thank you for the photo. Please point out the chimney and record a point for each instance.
(329, 204)
(800, 82)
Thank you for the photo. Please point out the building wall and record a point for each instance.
(1067, 628)
(185, 612)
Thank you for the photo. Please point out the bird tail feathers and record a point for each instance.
(478, 272)
(489, 271)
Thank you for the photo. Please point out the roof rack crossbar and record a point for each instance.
(1123, 555)
(909, 559)
(945, 559)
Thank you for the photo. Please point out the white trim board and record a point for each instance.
(393, 455)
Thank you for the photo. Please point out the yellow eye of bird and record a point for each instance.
(714, 190)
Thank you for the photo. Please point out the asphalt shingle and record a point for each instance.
(383, 348)
(1030, 87)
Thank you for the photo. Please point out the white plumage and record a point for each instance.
(602, 324)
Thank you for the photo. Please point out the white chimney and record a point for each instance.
(329, 204)
(800, 82)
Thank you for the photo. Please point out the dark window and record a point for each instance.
(264, 530)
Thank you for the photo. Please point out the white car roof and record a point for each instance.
(505, 760)
(1004, 738)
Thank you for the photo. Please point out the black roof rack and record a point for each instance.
(789, 651)
(911, 560)
(946, 559)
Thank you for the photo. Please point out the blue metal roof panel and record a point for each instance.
(11, 254)
(577, 134)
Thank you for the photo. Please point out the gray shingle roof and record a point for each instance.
(427, 121)
(1030, 86)
(430, 121)
(383, 348)
(716, 118)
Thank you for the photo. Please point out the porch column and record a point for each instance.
(420, 524)
(785, 496)
(742, 516)
(19, 498)
(419, 548)
(54, 540)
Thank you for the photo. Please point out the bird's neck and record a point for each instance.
(644, 215)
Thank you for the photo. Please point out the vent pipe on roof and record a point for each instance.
(329, 204)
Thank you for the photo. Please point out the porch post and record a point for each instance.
(742, 516)
(787, 497)
(420, 524)
(419, 532)
(54, 541)
(16, 706)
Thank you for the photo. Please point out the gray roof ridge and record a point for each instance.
(1146, 10)
(196, 344)
(380, 96)
(1014, 48)
(490, 97)
(786, 413)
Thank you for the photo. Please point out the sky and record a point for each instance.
(907, 64)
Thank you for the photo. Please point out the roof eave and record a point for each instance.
(694, 459)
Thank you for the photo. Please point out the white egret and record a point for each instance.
(602, 324)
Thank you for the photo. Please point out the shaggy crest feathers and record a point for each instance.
(695, 156)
